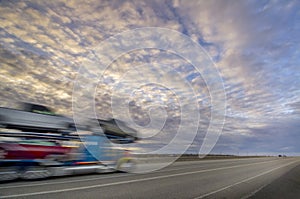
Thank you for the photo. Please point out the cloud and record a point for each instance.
(255, 45)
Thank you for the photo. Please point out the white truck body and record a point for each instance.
(10, 118)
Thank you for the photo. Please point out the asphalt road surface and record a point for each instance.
(234, 178)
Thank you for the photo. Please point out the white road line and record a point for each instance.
(254, 192)
(92, 179)
(245, 180)
(83, 180)
(129, 181)
(62, 182)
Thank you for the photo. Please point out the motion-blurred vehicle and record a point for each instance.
(34, 117)
(21, 149)
(31, 155)
(119, 129)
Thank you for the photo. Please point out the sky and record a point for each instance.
(50, 52)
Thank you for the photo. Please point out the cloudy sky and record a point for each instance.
(50, 52)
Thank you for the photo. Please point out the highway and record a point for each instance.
(231, 178)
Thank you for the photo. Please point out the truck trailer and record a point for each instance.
(29, 155)
(34, 118)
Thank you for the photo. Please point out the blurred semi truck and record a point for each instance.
(48, 151)
(29, 155)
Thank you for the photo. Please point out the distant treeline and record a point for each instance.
(186, 157)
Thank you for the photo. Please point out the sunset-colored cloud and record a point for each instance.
(255, 46)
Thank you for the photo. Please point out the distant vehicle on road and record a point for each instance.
(283, 156)
(34, 117)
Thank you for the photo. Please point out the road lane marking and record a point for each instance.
(130, 181)
(84, 180)
(254, 192)
(245, 180)
(62, 182)
(100, 178)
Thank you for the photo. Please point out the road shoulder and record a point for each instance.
(286, 186)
